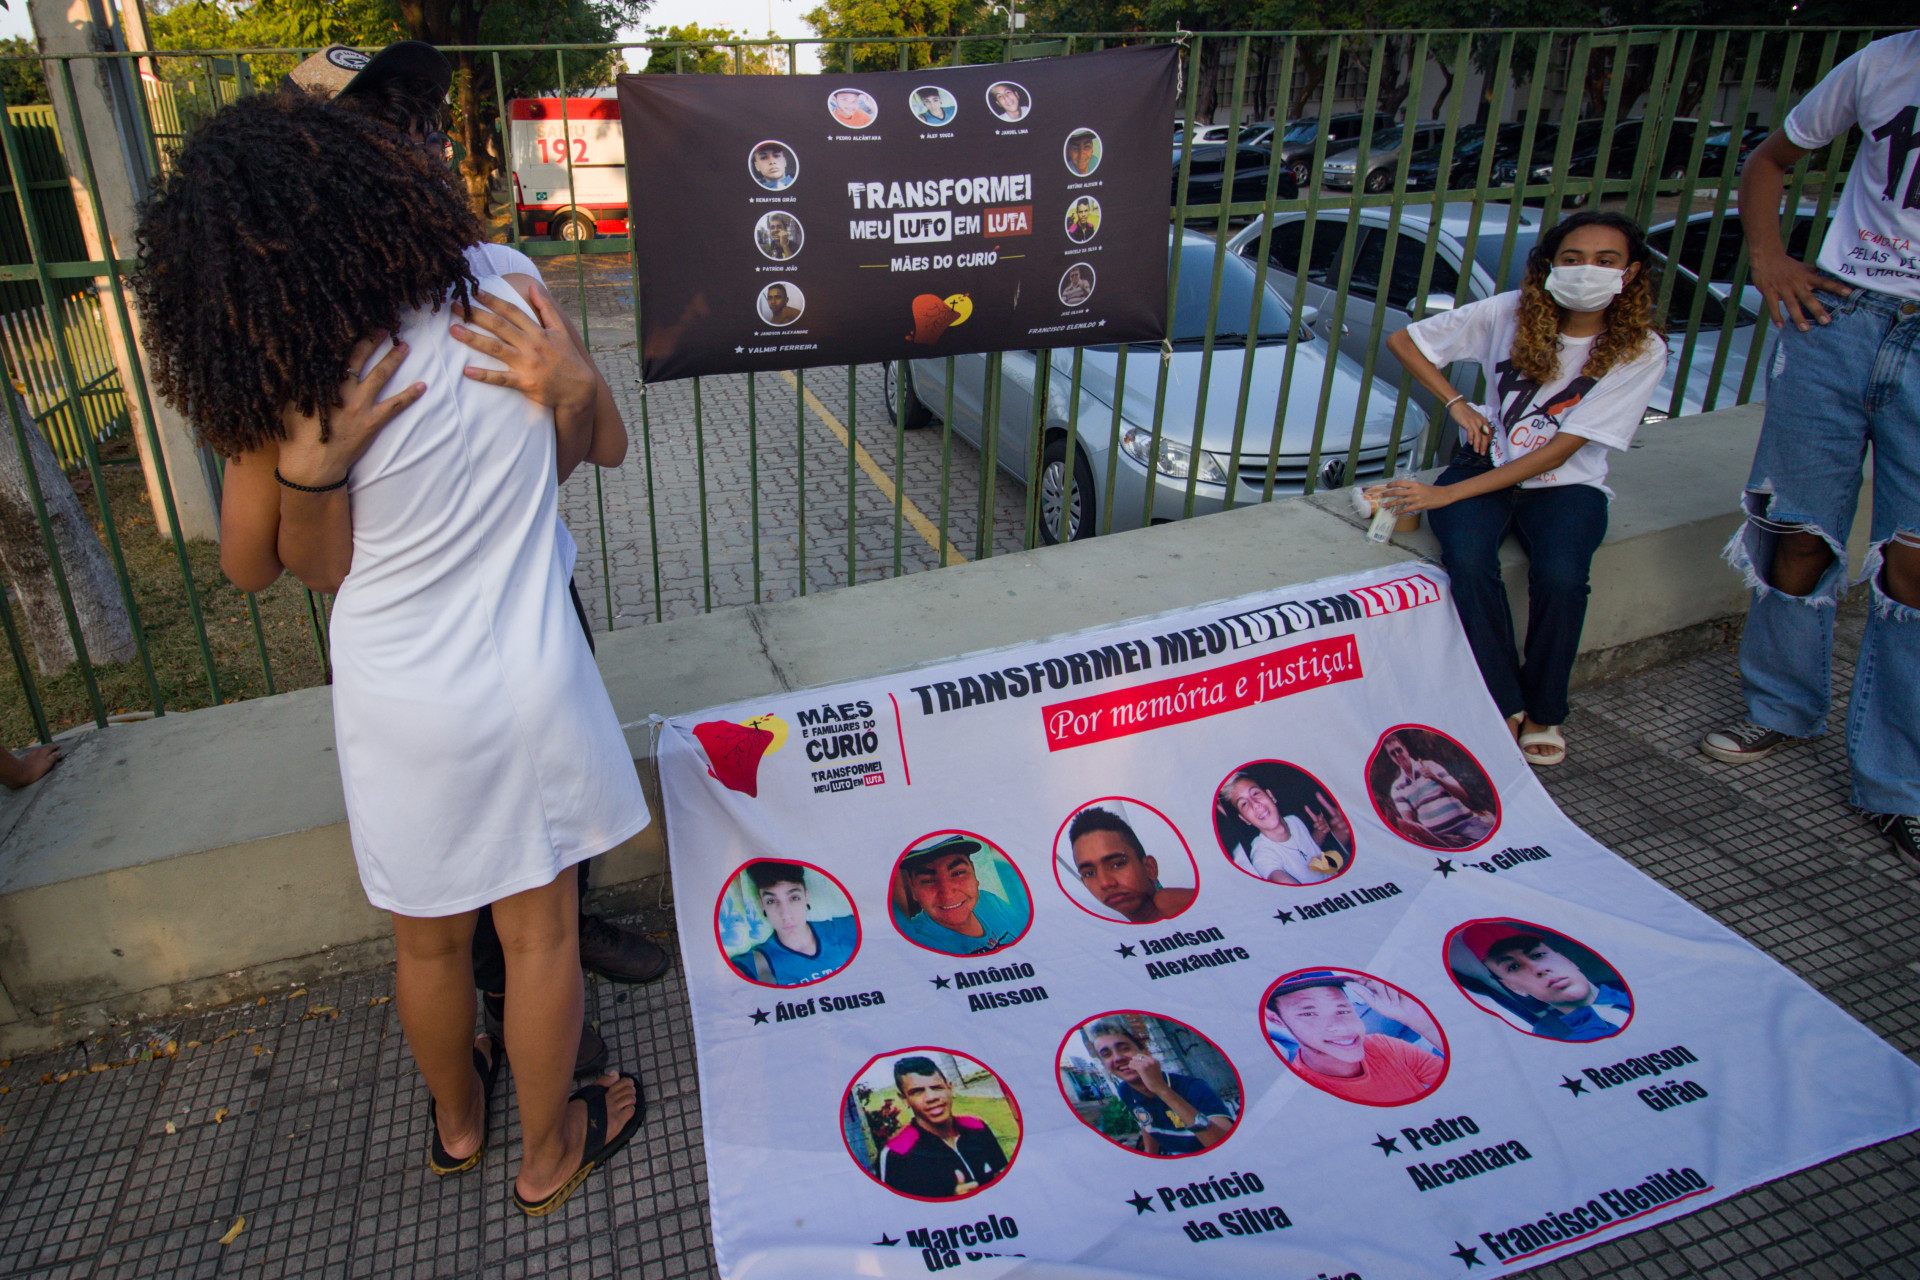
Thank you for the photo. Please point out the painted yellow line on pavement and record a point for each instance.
(881, 480)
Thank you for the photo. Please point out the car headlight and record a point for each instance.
(1174, 460)
(1654, 415)
(1541, 172)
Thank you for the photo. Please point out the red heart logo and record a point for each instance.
(734, 752)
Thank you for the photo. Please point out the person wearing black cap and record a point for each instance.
(939, 904)
(1336, 1051)
(404, 86)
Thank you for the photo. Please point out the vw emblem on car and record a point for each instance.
(1333, 473)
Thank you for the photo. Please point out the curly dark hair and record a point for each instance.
(289, 229)
(1630, 320)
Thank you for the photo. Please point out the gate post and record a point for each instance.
(110, 114)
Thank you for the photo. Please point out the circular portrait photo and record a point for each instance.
(930, 1124)
(958, 894)
(1354, 1036)
(1149, 1084)
(786, 924)
(781, 303)
(852, 107)
(779, 235)
(931, 104)
(1009, 101)
(1123, 860)
(773, 165)
(1538, 981)
(1082, 152)
(1430, 790)
(1277, 822)
(1076, 286)
(1083, 219)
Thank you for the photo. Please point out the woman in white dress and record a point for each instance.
(479, 754)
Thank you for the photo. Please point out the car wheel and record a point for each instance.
(572, 226)
(1577, 200)
(917, 414)
(1053, 481)
(1378, 180)
(1299, 171)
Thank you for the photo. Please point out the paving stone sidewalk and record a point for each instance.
(302, 1113)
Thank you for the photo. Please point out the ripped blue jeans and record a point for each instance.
(1831, 392)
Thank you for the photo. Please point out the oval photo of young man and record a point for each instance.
(957, 893)
(1277, 822)
(1354, 1036)
(930, 1124)
(1150, 1084)
(1123, 860)
(786, 924)
(1430, 790)
(1538, 981)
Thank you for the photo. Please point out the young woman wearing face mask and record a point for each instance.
(1572, 359)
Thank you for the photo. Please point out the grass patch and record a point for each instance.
(172, 642)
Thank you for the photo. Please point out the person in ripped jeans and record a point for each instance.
(1846, 372)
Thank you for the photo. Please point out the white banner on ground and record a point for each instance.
(1235, 942)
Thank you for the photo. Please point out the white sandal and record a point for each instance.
(1548, 736)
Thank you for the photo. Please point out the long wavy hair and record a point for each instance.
(289, 229)
(1630, 319)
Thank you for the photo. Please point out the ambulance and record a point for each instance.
(558, 199)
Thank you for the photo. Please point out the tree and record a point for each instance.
(91, 582)
(844, 19)
(22, 83)
(753, 59)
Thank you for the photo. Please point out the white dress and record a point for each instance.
(479, 752)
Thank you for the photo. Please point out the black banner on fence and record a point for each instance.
(783, 222)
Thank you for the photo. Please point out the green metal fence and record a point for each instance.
(1558, 91)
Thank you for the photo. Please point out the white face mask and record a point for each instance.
(1585, 288)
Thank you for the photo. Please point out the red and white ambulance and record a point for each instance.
(569, 166)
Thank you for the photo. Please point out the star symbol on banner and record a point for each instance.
(1284, 917)
(939, 981)
(1444, 867)
(1388, 1146)
(759, 1016)
(738, 350)
(886, 1241)
(1572, 1086)
(1141, 1204)
(1469, 1256)
(1125, 949)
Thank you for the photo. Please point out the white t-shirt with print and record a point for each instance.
(1874, 239)
(487, 259)
(1525, 415)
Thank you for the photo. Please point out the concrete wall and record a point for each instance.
(199, 858)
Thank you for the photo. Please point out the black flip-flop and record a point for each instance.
(437, 1158)
(600, 1148)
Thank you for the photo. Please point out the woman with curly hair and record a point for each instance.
(479, 754)
(1572, 358)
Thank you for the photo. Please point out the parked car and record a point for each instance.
(1204, 133)
(1137, 464)
(1423, 168)
(1622, 148)
(1297, 139)
(1453, 283)
(1209, 169)
(1375, 172)
(1256, 134)
(1713, 156)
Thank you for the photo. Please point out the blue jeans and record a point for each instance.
(1560, 527)
(1831, 391)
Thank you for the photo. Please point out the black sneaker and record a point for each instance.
(620, 954)
(1903, 829)
(1744, 743)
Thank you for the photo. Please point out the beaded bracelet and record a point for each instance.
(309, 488)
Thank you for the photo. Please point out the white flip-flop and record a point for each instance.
(1549, 736)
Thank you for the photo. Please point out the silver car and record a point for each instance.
(1173, 463)
(1376, 171)
(1455, 282)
